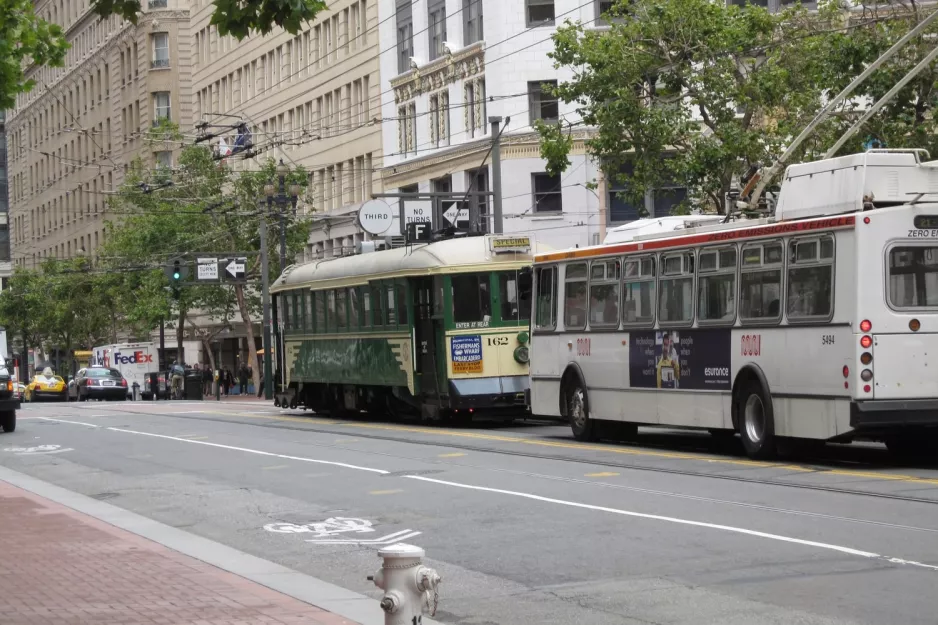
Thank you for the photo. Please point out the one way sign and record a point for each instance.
(235, 269)
(455, 212)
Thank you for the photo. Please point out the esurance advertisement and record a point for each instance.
(676, 359)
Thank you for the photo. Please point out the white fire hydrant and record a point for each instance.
(409, 587)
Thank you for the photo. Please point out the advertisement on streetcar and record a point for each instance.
(685, 359)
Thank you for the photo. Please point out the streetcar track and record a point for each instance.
(280, 425)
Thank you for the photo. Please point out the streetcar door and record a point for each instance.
(425, 330)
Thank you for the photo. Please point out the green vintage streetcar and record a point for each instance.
(437, 330)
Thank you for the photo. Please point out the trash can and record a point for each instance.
(193, 386)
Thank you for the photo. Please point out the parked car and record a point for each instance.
(100, 383)
(45, 385)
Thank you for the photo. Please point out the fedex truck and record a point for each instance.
(133, 360)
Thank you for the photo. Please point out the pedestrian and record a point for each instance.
(243, 380)
(229, 380)
(260, 393)
(206, 380)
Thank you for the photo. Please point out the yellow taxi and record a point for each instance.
(45, 385)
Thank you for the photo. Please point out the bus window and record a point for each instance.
(354, 310)
(470, 296)
(604, 293)
(546, 285)
(638, 297)
(320, 309)
(810, 279)
(574, 305)
(516, 305)
(716, 285)
(402, 304)
(760, 289)
(913, 276)
(676, 296)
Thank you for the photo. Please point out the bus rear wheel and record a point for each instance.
(756, 420)
(584, 428)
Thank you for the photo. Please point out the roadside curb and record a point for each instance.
(322, 594)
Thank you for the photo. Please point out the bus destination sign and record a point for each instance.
(926, 222)
(502, 245)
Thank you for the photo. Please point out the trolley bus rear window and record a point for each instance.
(913, 276)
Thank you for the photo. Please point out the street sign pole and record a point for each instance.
(265, 299)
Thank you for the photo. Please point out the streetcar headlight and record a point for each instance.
(522, 355)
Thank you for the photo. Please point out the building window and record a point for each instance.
(161, 106)
(547, 193)
(621, 208)
(478, 183)
(405, 36)
(406, 128)
(474, 109)
(539, 13)
(157, 4)
(164, 159)
(437, 27)
(160, 50)
(439, 119)
(541, 103)
(472, 21)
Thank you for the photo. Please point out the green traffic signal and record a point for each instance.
(176, 275)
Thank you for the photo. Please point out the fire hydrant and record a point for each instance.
(409, 587)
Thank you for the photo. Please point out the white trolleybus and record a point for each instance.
(819, 323)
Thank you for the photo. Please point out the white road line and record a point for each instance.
(90, 425)
(668, 519)
(250, 451)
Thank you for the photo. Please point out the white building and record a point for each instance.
(456, 63)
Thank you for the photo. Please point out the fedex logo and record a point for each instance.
(138, 358)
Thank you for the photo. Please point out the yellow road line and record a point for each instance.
(456, 455)
(386, 492)
(602, 474)
(674, 455)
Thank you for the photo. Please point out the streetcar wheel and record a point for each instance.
(756, 422)
(584, 428)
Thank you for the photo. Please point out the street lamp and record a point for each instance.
(281, 199)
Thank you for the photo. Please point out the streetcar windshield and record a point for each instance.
(913, 276)
(471, 299)
(515, 298)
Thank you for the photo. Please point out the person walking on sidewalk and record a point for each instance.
(229, 380)
(243, 379)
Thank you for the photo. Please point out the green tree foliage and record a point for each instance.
(238, 18)
(24, 37)
(201, 207)
(687, 91)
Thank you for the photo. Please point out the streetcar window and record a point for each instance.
(391, 308)
(308, 302)
(320, 310)
(716, 286)
(437, 295)
(296, 311)
(913, 276)
(366, 307)
(341, 308)
(354, 310)
(402, 304)
(760, 283)
(377, 299)
(574, 305)
(810, 280)
(471, 299)
(330, 309)
(285, 311)
(604, 293)
(676, 293)
(638, 291)
(516, 305)
(546, 285)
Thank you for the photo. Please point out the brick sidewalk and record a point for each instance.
(59, 566)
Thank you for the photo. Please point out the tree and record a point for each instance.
(691, 92)
(22, 306)
(25, 39)
(207, 208)
(238, 18)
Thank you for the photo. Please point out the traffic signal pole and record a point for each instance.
(265, 299)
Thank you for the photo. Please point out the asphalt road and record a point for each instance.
(524, 524)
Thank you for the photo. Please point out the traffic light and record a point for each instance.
(177, 271)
